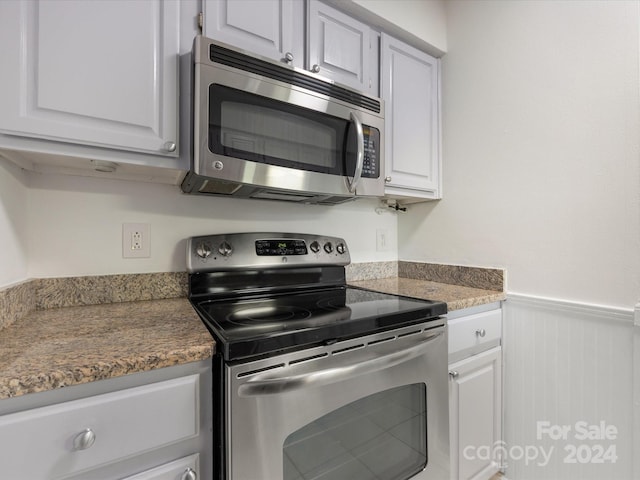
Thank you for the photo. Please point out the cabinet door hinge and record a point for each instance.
(201, 21)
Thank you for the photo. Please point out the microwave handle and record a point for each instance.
(360, 156)
(269, 385)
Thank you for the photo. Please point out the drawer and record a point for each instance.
(476, 333)
(183, 468)
(47, 443)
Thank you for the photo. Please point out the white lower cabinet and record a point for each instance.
(475, 395)
(182, 469)
(156, 431)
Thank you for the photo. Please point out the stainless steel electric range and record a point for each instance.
(315, 379)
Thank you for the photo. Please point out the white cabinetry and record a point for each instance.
(271, 28)
(84, 77)
(182, 469)
(475, 394)
(152, 431)
(337, 46)
(410, 87)
(340, 48)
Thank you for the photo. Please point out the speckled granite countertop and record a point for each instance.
(67, 331)
(48, 349)
(457, 297)
(459, 286)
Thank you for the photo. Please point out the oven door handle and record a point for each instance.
(359, 156)
(267, 384)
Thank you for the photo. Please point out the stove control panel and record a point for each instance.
(238, 251)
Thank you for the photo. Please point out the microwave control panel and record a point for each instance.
(371, 163)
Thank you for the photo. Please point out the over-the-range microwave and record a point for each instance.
(263, 129)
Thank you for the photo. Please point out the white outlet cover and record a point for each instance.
(137, 230)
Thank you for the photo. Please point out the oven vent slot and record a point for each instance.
(287, 75)
(347, 349)
(382, 340)
(307, 359)
(415, 332)
(259, 370)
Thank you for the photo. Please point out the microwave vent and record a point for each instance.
(287, 75)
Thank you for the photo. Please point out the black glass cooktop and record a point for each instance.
(263, 324)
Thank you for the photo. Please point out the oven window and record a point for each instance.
(260, 129)
(382, 436)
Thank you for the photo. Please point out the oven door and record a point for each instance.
(368, 408)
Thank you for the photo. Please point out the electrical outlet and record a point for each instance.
(136, 240)
(383, 242)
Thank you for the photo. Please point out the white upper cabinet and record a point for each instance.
(339, 48)
(271, 28)
(100, 73)
(410, 87)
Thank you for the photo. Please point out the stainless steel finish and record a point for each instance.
(288, 58)
(84, 439)
(270, 384)
(315, 68)
(189, 474)
(237, 252)
(360, 155)
(248, 179)
(481, 332)
(416, 354)
(453, 374)
(387, 179)
(341, 248)
(170, 146)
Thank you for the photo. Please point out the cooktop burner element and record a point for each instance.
(262, 294)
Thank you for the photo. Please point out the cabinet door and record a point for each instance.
(475, 415)
(101, 73)
(181, 469)
(339, 47)
(271, 28)
(409, 82)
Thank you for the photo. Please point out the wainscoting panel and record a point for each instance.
(568, 390)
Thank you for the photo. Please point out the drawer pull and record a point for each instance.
(453, 374)
(84, 439)
(189, 474)
(481, 332)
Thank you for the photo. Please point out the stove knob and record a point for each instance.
(340, 248)
(225, 249)
(328, 247)
(315, 247)
(203, 250)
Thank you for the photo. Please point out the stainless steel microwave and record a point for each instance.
(262, 129)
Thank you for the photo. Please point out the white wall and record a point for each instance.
(75, 224)
(541, 149)
(13, 224)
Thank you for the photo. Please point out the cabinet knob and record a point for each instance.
(189, 474)
(315, 68)
(453, 374)
(84, 439)
(387, 179)
(170, 146)
(288, 58)
(481, 332)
